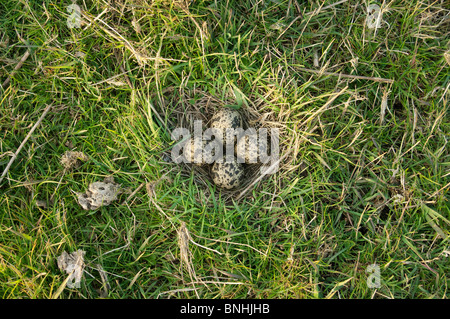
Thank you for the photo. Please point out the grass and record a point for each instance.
(365, 181)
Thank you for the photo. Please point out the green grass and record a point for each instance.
(360, 187)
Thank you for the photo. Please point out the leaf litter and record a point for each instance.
(99, 194)
(72, 264)
(73, 159)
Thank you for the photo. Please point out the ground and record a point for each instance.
(358, 208)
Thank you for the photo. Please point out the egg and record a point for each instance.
(200, 155)
(248, 148)
(224, 119)
(227, 175)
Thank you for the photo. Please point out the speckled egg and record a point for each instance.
(223, 119)
(227, 175)
(249, 147)
(197, 155)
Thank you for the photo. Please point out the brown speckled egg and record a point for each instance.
(227, 175)
(248, 149)
(226, 118)
(196, 155)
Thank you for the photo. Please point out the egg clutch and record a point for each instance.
(226, 171)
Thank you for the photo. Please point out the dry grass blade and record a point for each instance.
(384, 105)
(186, 256)
(13, 158)
(233, 243)
(62, 286)
(325, 106)
(133, 193)
(447, 57)
(17, 67)
(140, 58)
(348, 76)
(183, 243)
(104, 278)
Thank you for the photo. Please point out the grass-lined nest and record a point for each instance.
(187, 108)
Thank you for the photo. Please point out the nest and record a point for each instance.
(185, 108)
